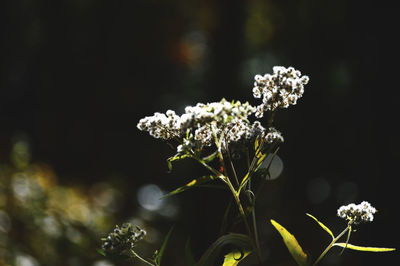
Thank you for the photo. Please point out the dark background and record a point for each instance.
(76, 76)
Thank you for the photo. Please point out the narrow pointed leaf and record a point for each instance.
(158, 258)
(176, 158)
(291, 243)
(233, 258)
(189, 259)
(322, 225)
(260, 160)
(240, 241)
(257, 144)
(195, 182)
(244, 180)
(210, 157)
(359, 248)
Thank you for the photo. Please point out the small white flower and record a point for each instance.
(279, 90)
(273, 135)
(203, 122)
(362, 212)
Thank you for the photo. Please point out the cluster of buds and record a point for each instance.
(278, 90)
(357, 214)
(123, 239)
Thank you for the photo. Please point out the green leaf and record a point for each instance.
(322, 225)
(233, 258)
(159, 255)
(195, 182)
(240, 241)
(176, 157)
(101, 252)
(257, 144)
(189, 259)
(244, 180)
(291, 243)
(359, 248)
(210, 157)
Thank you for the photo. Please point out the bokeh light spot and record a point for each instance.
(275, 169)
(318, 190)
(25, 260)
(149, 197)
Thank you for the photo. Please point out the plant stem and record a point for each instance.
(253, 215)
(239, 204)
(243, 214)
(140, 258)
(331, 245)
(232, 166)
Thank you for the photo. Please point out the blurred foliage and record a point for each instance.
(45, 222)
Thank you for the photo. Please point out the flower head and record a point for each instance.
(357, 214)
(123, 239)
(279, 90)
(201, 124)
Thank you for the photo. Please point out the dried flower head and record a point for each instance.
(123, 239)
(357, 214)
(279, 90)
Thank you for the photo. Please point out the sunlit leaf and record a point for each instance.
(291, 243)
(359, 248)
(322, 225)
(244, 180)
(176, 157)
(159, 255)
(233, 258)
(257, 144)
(195, 182)
(260, 160)
(240, 241)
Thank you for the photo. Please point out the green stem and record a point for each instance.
(232, 166)
(243, 214)
(331, 245)
(237, 200)
(140, 258)
(253, 215)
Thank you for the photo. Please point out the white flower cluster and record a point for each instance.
(164, 126)
(273, 135)
(278, 90)
(362, 212)
(204, 122)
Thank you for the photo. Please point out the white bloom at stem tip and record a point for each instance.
(279, 90)
(361, 213)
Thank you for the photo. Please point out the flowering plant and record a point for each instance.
(214, 133)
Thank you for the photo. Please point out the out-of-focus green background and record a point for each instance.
(76, 76)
